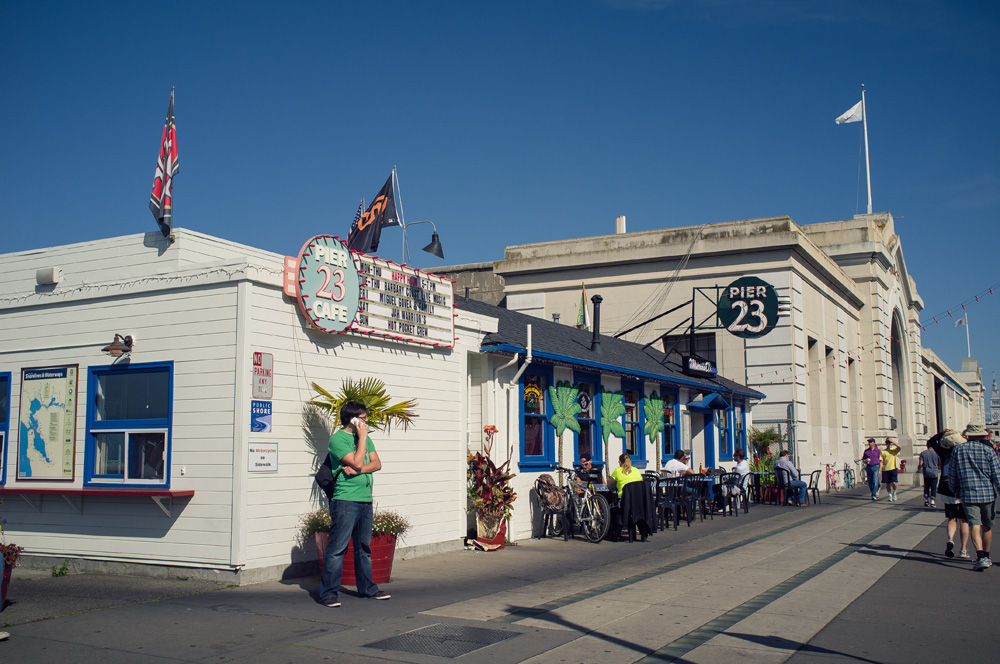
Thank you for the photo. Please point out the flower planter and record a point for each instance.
(383, 552)
(491, 530)
(7, 569)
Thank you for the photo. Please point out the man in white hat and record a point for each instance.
(974, 476)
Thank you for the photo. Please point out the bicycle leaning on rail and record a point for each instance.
(850, 479)
(831, 478)
(590, 511)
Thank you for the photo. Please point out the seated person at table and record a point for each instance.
(587, 466)
(795, 483)
(623, 474)
(742, 467)
(678, 466)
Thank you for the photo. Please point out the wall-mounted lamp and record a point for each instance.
(434, 248)
(120, 346)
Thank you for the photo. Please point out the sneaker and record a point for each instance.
(380, 595)
(331, 602)
(964, 554)
(932, 504)
(981, 564)
(949, 549)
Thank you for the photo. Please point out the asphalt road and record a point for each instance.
(846, 580)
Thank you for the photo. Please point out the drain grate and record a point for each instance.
(443, 640)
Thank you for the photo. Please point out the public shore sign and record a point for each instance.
(341, 291)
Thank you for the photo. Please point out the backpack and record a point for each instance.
(550, 496)
(325, 477)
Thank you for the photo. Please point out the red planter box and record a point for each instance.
(383, 552)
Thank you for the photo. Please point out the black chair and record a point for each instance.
(782, 483)
(673, 503)
(652, 478)
(813, 487)
(637, 510)
(730, 486)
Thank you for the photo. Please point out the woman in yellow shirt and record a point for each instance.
(623, 474)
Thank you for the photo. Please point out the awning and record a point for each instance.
(713, 401)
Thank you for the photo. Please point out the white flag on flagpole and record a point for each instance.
(960, 322)
(854, 114)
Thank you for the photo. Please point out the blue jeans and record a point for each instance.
(800, 487)
(874, 481)
(930, 487)
(350, 522)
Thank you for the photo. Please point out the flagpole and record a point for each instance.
(402, 221)
(868, 166)
(968, 344)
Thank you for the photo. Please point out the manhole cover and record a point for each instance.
(443, 640)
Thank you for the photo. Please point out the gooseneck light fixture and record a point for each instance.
(120, 346)
(433, 248)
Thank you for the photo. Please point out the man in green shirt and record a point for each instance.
(354, 460)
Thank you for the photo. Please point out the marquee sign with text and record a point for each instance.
(340, 291)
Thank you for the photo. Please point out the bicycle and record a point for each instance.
(590, 511)
(850, 479)
(831, 478)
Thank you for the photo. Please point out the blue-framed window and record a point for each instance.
(4, 423)
(537, 448)
(723, 426)
(129, 418)
(740, 426)
(589, 438)
(671, 432)
(633, 422)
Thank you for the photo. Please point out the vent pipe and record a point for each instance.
(620, 225)
(555, 318)
(595, 342)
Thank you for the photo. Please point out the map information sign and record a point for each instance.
(47, 444)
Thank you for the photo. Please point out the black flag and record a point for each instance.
(366, 231)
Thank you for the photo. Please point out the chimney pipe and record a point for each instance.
(555, 318)
(595, 342)
(620, 225)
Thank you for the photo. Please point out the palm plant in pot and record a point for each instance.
(490, 493)
(388, 527)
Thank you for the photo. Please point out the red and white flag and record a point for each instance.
(167, 167)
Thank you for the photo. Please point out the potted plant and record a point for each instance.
(11, 559)
(490, 493)
(388, 526)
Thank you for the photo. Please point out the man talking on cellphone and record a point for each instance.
(354, 460)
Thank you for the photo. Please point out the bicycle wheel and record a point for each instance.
(557, 525)
(595, 527)
(836, 484)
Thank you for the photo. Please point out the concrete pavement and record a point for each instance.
(846, 579)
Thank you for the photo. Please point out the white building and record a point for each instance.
(846, 362)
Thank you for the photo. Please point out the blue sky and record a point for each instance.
(512, 122)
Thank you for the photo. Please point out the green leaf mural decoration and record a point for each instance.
(612, 410)
(564, 407)
(653, 406)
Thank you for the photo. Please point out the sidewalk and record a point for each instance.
(88, 618)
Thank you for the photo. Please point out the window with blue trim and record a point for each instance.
(129, 415)
(4, 422)
(632, 422)
(725, 436)
(739, 427)
(670, 435)
(590, 424)
(536, 432)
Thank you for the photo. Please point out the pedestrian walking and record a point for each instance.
(944, 443)
(873, 467)
(975, 478)
(890, 467)
(351, 514)
(930, 466)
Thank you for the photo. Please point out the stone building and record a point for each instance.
(844, 361)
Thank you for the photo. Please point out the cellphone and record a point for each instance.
(355, 421)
